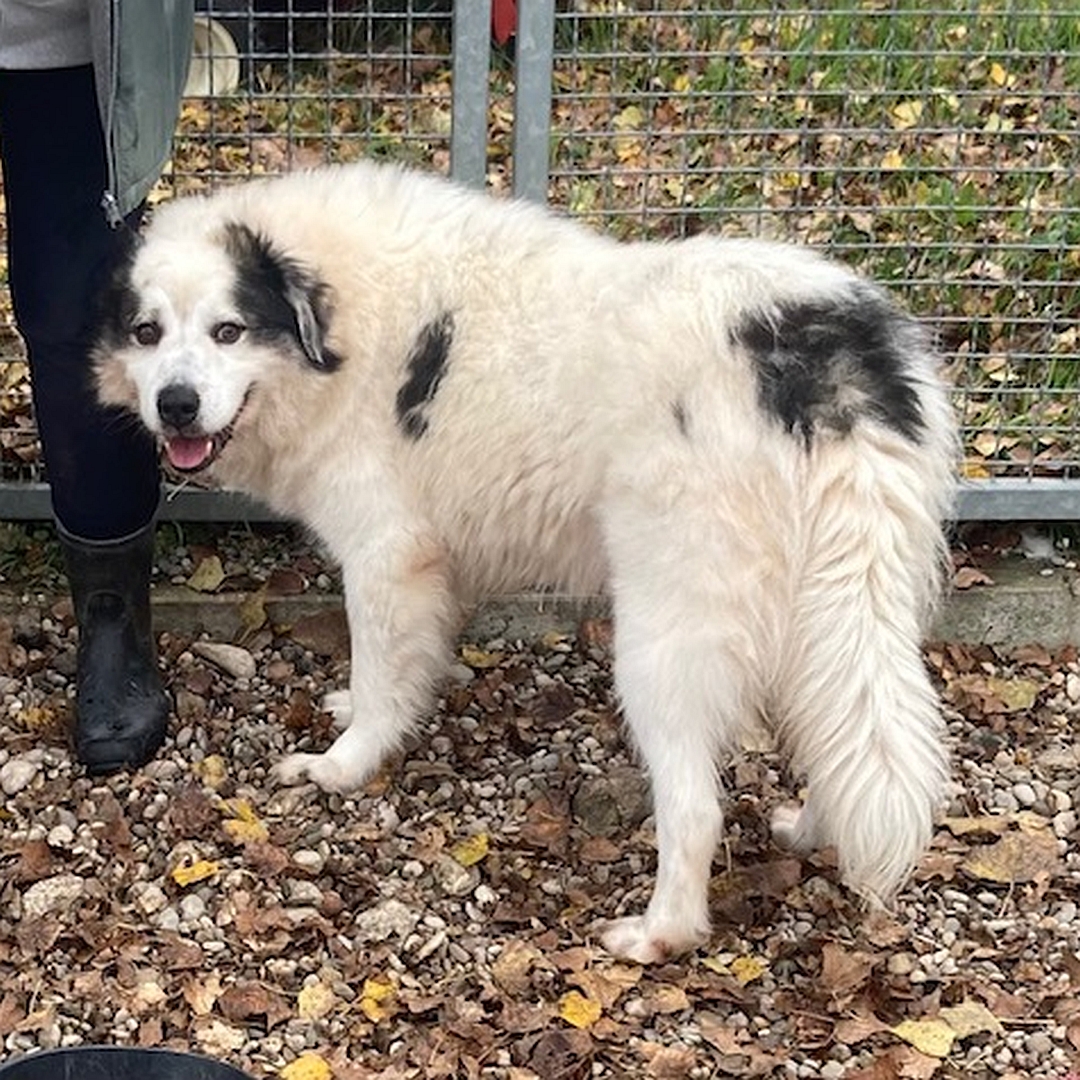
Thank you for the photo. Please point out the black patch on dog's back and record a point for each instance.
(280, 301)
(425, 366)
(830, 362)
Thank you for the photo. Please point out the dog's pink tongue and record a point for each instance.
(187, 453)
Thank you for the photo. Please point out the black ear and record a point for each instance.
(279, 298)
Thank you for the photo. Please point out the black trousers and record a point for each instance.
(102, 468)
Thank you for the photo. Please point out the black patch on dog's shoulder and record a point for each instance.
(425, 368)
(281, 302)
(828, 363)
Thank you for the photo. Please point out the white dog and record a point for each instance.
(748, 446)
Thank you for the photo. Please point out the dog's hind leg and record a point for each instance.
(684, 664)
(855, 703)
(402, 613)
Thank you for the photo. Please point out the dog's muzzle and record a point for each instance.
(188, 448)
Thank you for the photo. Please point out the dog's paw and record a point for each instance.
(320, 769)
(338, 703)
(633, 939)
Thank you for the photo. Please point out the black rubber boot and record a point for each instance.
(121, 708)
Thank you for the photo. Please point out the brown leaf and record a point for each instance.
(326, 633)
(668, 1062)
(843, 971)
(968, 576)
(246, 1000)
(513, 966)
(192, 814)
(599, 849)
(547, 825)
(1017, 857)
(11, 1014)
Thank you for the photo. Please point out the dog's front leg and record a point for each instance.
(401, 612)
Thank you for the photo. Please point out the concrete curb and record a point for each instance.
(1028, 602)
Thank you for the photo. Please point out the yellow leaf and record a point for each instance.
(971, 1018)
(1019, 856)
(244, 826)
(630, 119)
(892, 159)
(378, 999)
(471, 850)
(578, 1010)
(211, 770)
(999, 76)
(907, 114)
(480, 659)
(1017, 695)
(208, 575)
(306, 1067)
(189, 873)
(933, 1037)
(315, 1001)
(746, 969)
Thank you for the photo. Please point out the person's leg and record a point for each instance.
(102, 469)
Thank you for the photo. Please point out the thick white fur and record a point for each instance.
(750, 574)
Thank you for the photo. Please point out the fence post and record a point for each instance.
(469, 123)
(532, 98)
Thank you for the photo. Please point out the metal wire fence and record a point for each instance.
(934, 147)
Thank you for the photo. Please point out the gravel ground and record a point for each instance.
(441, 923)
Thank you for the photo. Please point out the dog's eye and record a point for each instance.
(227, 333)
(146, 333)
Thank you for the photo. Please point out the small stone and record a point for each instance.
(390, 918)
(1025, 794)
(51, 894)
(1039, 1042)
(1072, 686)
(455, 879)
(308, 860)
(1064, 824)
(232, 659)
(60, 836)
(832, 1070)
(149, 897)
(192, 908)
(17, 774)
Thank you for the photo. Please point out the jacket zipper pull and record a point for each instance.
(112, 210)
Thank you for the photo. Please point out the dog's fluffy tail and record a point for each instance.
(858, 710)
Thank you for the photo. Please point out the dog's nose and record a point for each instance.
(178, 405)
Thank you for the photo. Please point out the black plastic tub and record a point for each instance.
(116, 1063)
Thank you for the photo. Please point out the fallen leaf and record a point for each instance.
(190, 873)
(746, 969)
(512, 967)
(244, 825)
(844, 970)
(207, 576)
(309, 1066)
(968, 576)
(970, 1018)
(379, 998)
(578, 1010)
(315, 1001)
(932, 1037)
(481, 659)
(211, 770)
(471, 850)
(1017, 857)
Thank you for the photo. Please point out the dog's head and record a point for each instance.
(192, 323)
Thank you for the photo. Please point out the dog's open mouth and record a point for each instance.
(193, 453)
